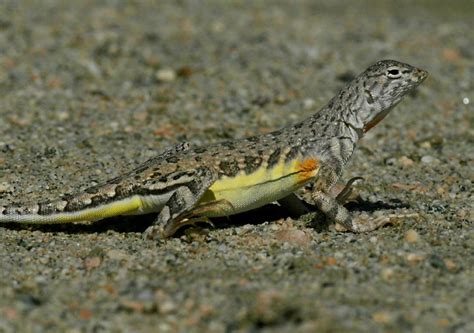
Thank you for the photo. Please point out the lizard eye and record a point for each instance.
(393, 73)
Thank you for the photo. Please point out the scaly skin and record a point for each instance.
(185, 185)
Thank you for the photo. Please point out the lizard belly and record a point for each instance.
(249, 191)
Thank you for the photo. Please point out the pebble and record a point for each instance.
(387, 274)
(117, 255)
(411, 236)
(165, 75)
(308, 103)
(405, 161)
(427, 159)
(414, 258)
(293, 236)
(382, 317)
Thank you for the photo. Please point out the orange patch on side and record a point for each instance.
(307, 169)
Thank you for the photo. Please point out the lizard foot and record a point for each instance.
(196, 215)
(364, 223)
(157, 232)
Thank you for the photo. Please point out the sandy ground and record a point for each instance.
(89, 90)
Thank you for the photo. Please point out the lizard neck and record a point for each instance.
(333, 132)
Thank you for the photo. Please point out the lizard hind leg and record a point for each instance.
(180, 205)
(196, 215)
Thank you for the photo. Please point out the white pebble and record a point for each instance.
(427, 159)
(166, 75)
(308, 103)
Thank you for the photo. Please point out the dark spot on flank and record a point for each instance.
(162, 179)
(274, 157)
(229, 168)
(179, 175)
(253, 139)
(252, 163)
(156, 173)
(292, 153)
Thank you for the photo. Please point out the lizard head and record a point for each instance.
(383, 85)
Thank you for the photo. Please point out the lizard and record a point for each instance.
(185, 185)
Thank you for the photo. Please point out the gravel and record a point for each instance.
(90, 89)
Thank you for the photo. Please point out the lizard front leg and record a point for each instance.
(333, 208)
(343, 219)
(181, 204)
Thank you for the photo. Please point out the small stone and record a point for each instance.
(405, 161)
(165, 75)
(167, 306)
(411, 236)
(373, 239)
(281, 99)
(391, 161)
(414, 258)
(92, 262)
(117, 255)
(450, 265)
(427, 159)
(293, 236)
(62, 115)
(387, 274)
(331, 261)
(308, 103)
(425, 144)
(131, 305)
(382, 317)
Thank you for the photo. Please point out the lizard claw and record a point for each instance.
(347, 190)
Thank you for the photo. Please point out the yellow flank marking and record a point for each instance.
(249, 191)
(122, 207)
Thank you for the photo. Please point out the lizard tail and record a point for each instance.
(53, 213)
